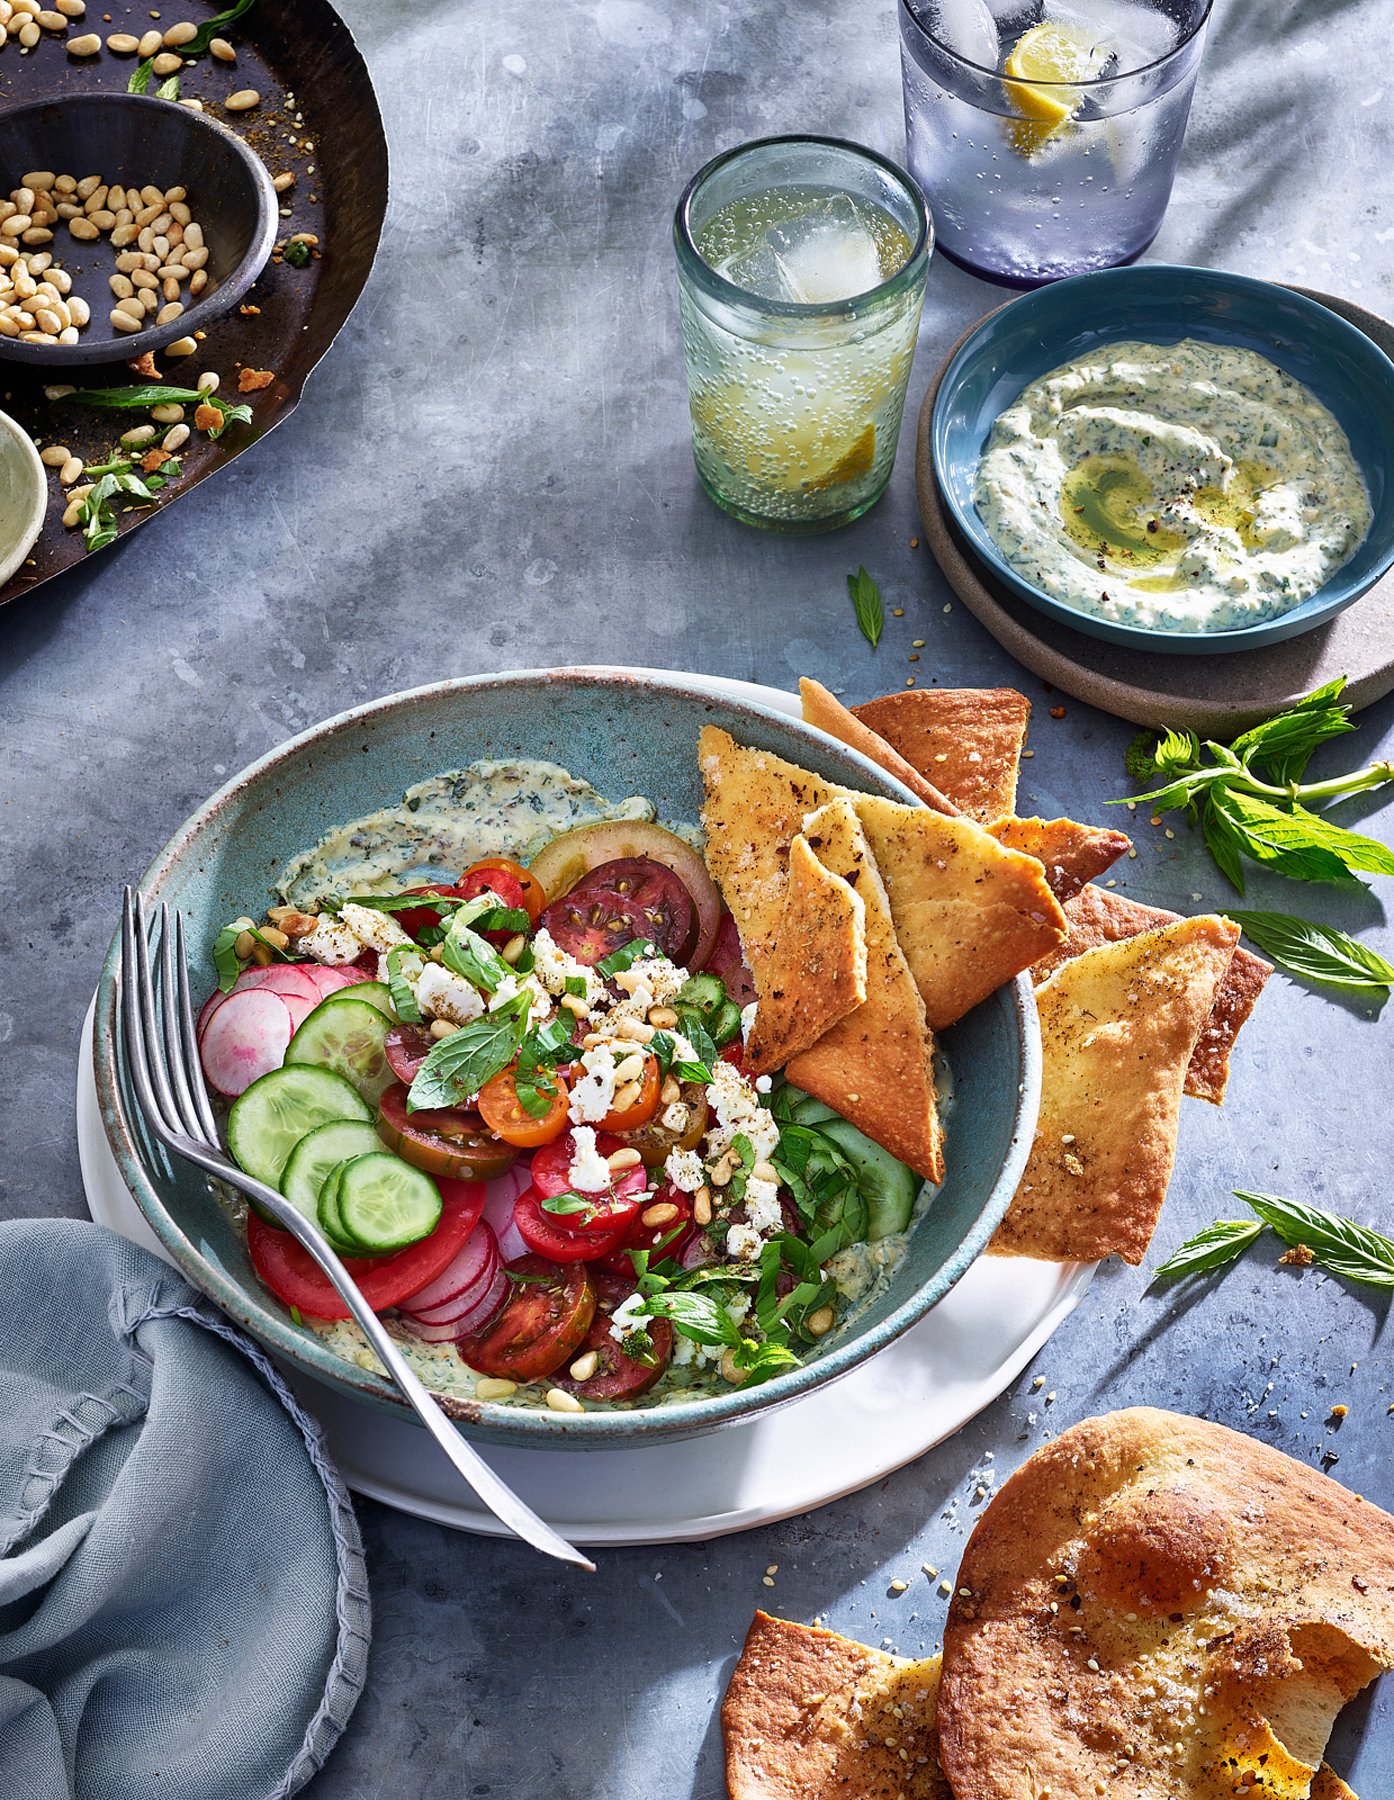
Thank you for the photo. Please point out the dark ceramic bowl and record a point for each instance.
(136, 139)
(627, 734)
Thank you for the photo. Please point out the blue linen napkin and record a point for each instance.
(183, 1606)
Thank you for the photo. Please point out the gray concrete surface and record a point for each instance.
(490, 471)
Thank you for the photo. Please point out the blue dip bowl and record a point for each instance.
(627, 734)
(1161, 304)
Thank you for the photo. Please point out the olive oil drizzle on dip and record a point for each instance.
(1194, 487)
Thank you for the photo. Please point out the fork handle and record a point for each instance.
(495, 1493)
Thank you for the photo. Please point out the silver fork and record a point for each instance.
(157, 1020)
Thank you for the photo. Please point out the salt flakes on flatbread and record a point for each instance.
(966, 742)
(815, 974)
(876, 1066)
(1071, 854)
(826, 711)
(811, 1716)
(1162, 1607)
(1097, 916)
(1119, 1025)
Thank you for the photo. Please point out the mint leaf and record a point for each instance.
(866, 602)
(403, 999)
(1345, 1248)
(459, 1065)
(696, 1316)
(1213, 1248)
(1318, 952)
(625, 957)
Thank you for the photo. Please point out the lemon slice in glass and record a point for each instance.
(1040, 68)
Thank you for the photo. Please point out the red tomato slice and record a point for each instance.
(406, 1048)
(448, 1141)
(728, 961)
(415, 919)
(494, 871)
(617, 902)
(618, 1376)
(551, 1174)
(668, 1239)
(558, 1236)
(295, 1278)
(544, 1323)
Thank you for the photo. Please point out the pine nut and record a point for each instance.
(53, 21)
(167, 63)
(54, 456)
(150, 43)
(121, 286)
(70, 471)
(72, 513)
(662, 1018)
(619, 1160)
(175, 439)
(494, 1387)
(47, 320)
(671, 1090)
(198, 256)
(193, 105)
(137, 436)
(731, 1370)
(102, 217)
(261, 956)
(193, 235)
(124, 322)
(95, 201)
(702, 1206)
(184, 346)
(121, 43)
(276, 937)
(80, 310)
(820, 1323)
(243, 101)
(175, 194)
(170, 288)
(626, 1097)
(631, 1069)
(722, 1171)
(169, 312)
(585, 1366)
(514, 948)
(169, 414)
(222, 50)
(634, 1030)
(144, 279)
(123, 235)
(207, 383)
(182, 33)
(573, 1003)
(70, 9)
(442, 1028)
(198, 281)
(560, 1401)
(150, 195)
(82, 229)
(283, 183)
(243, 945)
(763, 1171)
(62, 184)
(18, 222)
(37, 234)
(86, 45)
(29, 34)
(662, 1214)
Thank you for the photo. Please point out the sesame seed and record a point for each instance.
(897, 612)
(768, 1580)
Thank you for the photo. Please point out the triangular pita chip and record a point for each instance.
(969, 914)
(876, 1066)
(967, 742)
(809, 1715)
(1118, 1026)
(1158, 1607)
(816, 972)
(1071, 854)
(1099, 916)
(827, 712)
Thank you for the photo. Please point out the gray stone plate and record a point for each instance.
(1213, 695)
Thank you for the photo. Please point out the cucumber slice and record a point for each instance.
(376, 993)
(318, 1154)
(346, 1035)
(725, 1024)
(276, 1111)
(703, 993)
(327, 1214)
(384, 1204)
(887, 1186)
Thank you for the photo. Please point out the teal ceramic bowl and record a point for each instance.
(1161, 304)
(626, 734)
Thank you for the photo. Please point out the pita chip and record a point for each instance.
(1206, 1603)
(876, 1066)
(1118, 1027)
(827, 712)
(966, 742)
(1098, 916)
(816, 972)
(808, 1714)
(1071, 854)
(969, 913)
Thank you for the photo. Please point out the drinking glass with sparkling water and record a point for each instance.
(801, 273)
(1046, 133)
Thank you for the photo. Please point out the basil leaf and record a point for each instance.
(866, 603)
(460, 1065)
(225, 957)
(1340, 1245)
(575, 986)
(503, 918)
(761, 1361)
(695, 1316)
(625, 957)
(1318, 952)
(663, 1050)
(1212, 1248)
(568, 1203)
(395, 903)
(403, 999)
(473, 957)
(535, 1090)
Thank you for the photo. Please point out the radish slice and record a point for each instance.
(207, 1010)
(499, 1196)
(299, 1006)
(454, 1290)
(246, 1037)
(280, 978)
(329, 981)
(482, 1314)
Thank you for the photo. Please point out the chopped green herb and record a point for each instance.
(625, 957)
(866, 602)
(296, 253)
(403, 999)
(197, 44)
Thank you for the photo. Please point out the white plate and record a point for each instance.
(917, 1392)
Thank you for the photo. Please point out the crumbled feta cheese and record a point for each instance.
(663, 979)
(743, 1243)
(684, 1351)
(330, 942)
(589, 1173)
(747, 1021)
(629, 1316)
(762, 1204)
(409, 967)
(677, 1117)
(374, 930)
(763, 1084)
(594, 1094)
(539, 1001)
(554, 968)
(446, 995)
(684, 1169)
(738, 1113)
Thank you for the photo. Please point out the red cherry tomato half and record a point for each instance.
(295, 1278)
(506, 1116)
(670, 1238)
(416, 919)
(559, 1236)
(618, 1376)
(491, 871)
(617, 902)
(551, 1171)
(543, 1324)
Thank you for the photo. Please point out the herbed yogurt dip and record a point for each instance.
(1193, 487)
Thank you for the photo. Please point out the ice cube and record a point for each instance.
(967, 27)
(827, 252)
(759, 271)
(1128, 34)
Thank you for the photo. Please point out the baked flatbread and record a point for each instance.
(1161, 1608)
(876, 1066)
(967, 742)
(969, 914)
(1118, 1028)
(827, 712)
(1071, 854)
(816, 972)
(810, 1716)
(1099, 916)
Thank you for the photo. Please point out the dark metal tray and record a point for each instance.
(318, 118)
